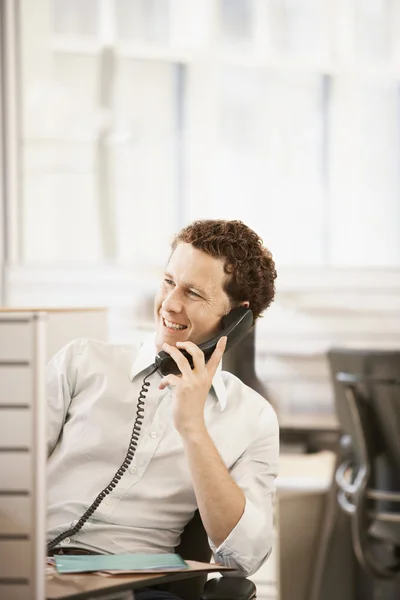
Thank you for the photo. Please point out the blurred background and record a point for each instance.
(124, 120)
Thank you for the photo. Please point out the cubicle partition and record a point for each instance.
(22, 456)
(67, 323)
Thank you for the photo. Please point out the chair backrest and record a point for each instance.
(376, 383)
(193, 546)
(22, 456)
(367, 396)
(241, 361)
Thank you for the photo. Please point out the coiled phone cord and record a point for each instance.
(120, 472)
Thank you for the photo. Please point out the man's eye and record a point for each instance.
(193, 293)
(169, 281)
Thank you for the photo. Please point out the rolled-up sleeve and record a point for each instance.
(250, 542)
(60, 384)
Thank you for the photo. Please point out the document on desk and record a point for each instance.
(119, 563)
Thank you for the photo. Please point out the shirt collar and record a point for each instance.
(146, 357)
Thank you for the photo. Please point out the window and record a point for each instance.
(141, 115)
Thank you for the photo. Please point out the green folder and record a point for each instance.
(132, 563)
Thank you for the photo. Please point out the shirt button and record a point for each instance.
(132, 469)
(109, 501)
(67, 541)
(153, 434)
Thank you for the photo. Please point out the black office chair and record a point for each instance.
(194, 546)
(367, 396)
(241, 361)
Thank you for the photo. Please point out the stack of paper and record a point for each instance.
(120, 563)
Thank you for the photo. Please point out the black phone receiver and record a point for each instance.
(235, 325)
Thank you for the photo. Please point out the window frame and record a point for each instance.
(200, 100)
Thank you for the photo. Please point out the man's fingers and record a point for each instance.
(216, 356)
(198, 360)
(195, 353)
(178, 357)
(172, 380)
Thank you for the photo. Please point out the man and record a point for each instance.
(207, 441)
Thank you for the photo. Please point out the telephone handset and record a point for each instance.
(235, 325)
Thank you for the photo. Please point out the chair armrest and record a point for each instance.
(229, 588)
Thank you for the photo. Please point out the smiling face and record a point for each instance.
(191, 301)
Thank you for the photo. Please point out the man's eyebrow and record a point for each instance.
(189, 286)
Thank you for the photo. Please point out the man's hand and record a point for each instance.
(220, 500)
(192, 386)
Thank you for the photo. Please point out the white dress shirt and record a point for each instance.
(92, 395)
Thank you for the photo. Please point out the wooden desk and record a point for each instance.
(309, 422)
(314, 432)
(82, 586)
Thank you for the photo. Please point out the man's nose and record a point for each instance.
(173, 301)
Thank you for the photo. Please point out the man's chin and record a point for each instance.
(171, 339)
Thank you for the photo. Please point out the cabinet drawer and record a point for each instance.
(16, 385)
(15, 471)
(15, 428)
(15, 592)
(15, 515)
(15, 559)
(16, 341)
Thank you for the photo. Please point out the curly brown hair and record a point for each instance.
(247, 261)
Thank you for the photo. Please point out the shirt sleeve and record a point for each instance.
(249, 544)
(61, 373)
